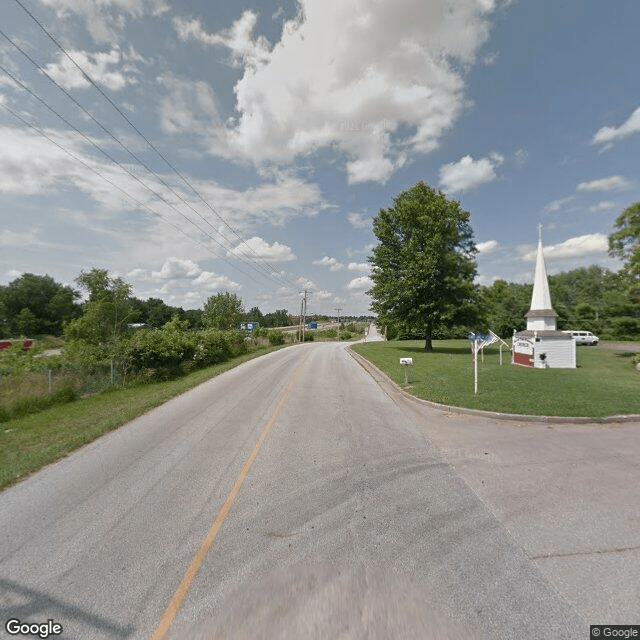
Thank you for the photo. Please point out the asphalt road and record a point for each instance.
(294, 497)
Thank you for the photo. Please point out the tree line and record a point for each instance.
(424, 267)
(37, 305)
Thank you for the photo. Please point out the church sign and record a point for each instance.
(523, 351)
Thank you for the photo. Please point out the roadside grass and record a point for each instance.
(604, 384)
(29, 443)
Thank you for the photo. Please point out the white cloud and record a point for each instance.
(323, 296)
(189, 107)
(348, 75)
(102, 67)
(256, 247)
(468, 173)
(602, 206)
(556, 205)
(210, 281)
(238, 39)
(327, 261)
(604, 184)
(612, 134)
(177, 268)
(364, 267)
(104, 19)
(573, 248)
(31, 165)
(487, 247)
(363, 282)
(366, 250)
(358, 220)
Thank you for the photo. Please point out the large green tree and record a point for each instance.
(106, 314)
(625, 241)
(223, 311)
(33, 304)
(424, 265)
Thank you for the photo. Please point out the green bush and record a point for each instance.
(162, 351)
(308, 336)
(276, 337)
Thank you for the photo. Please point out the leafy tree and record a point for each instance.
(106, 314)
(254, 315)
(49, 303)
(277, 318)
(26, 322)
(223, 311)
(504, 305)
(625, 242)
(424, 264)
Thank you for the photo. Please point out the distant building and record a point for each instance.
(541, 345)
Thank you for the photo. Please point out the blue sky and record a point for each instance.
(284, 126)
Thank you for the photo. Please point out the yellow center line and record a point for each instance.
(194, 568)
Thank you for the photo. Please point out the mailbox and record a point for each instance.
(406, 361)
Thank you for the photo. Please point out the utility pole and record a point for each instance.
(304, 315)
(338, 310)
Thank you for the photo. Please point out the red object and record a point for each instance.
(5, 344)
(523, 358)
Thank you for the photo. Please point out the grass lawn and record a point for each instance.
(29, 443)
(605, 382)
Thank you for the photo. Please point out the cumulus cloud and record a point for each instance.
(604, 184)
(573, 247)
(177, 268)
(211, 281)
(363, 282)
(327, 261)
(238, 38)
(468, 173)
(363, 267)
(378, 81)
(256, 247)
(323, 296)
(487, 247)
(358, 220)
(31, 165)
(113, 69)
(612, 134)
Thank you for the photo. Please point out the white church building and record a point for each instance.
(541, 345)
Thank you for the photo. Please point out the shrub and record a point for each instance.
(214, 346)
(276, 337)
(162, 350)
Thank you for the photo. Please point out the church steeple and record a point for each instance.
(541, 315)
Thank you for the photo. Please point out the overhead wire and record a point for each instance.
(88, 78)
(241, 257)
(107, 155)
(142, 205)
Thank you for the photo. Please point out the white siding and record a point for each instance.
(561, 353)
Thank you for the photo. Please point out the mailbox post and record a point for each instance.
(406, 363)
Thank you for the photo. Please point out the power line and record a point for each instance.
(109, 181)
(149, 143)
(242, 256)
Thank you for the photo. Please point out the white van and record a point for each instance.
(584, 337)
